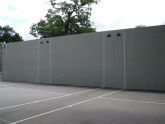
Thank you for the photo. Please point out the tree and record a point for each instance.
(7, 35)
(64, 18)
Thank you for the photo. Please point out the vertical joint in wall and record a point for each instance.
(124, 87)
(50, 55)
(103, 40)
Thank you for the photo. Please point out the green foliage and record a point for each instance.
(64, 18)
(7, 34)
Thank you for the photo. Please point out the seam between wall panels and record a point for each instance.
(5, 62)
(124, 57)
(50, 52)
(38, 57)
(103, 36)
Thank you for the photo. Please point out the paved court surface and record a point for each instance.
(23, 103)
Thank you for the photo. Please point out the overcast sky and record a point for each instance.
(107, 15)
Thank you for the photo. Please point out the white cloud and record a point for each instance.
(107, 15)
(114, 14)
(21, 14)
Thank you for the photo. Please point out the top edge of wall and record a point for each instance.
(135, 28)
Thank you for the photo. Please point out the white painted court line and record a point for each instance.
(43, 91)
(20, 84)
(136, 101)
(8, 86)
(37, 101)
(55, 110)
(4, 85)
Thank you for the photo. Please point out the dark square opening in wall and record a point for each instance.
(109, 35)
(118, 34)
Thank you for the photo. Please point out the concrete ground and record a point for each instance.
(23, 103)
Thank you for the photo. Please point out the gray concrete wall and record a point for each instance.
(145, 58)
(0, 61)
(77, 60)
(20, 61)
(44, 61)
(124, 59)
(113, 58)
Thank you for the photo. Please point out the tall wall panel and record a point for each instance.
(113, 59)
(44, 61)
(4, 60)
(145, 58)
(0, 61)
(77, 60)
(20, 61)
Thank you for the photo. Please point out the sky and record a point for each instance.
(106, 15)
